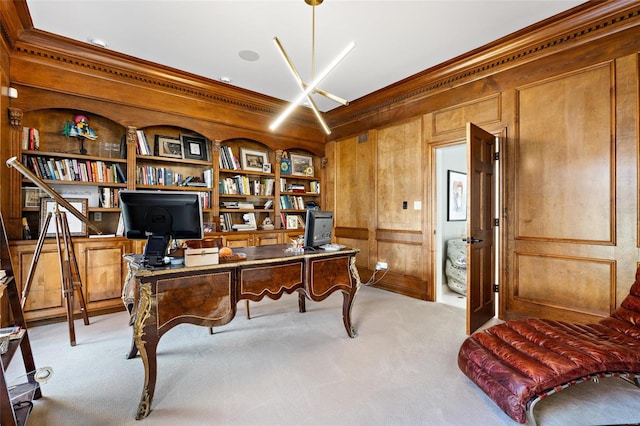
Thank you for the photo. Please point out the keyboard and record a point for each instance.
(332, 247)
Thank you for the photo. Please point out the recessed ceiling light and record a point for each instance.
(249, 55)
(97, 41)
(225, 79)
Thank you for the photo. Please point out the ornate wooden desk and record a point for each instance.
(208, 295)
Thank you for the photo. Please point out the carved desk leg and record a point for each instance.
(146, 338)
(349, 297)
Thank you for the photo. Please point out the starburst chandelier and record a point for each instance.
(309, 89)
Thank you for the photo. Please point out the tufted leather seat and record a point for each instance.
(518, 360)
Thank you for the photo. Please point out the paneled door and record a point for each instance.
(480, 227)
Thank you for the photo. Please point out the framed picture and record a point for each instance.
(194, 147)
(32, 196)
(301, 165)
(457, 196)
(292, 221)
(266, 167)
(168, 146)
(77, 228)
(253, 160)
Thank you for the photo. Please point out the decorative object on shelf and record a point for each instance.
(301, 165)
(26, 231)
(253, 160)
(267, 224)
(79, 129)
(308, 89)
(285, 164)
(77, 228)
(266, 167)
(194, 147)
(457, 196)
(31, 196)
(167, 146)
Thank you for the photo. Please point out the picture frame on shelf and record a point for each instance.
(77, 228)
(253, 160)
(292, 221)
(194, 147)
(301, 165)
(456, 196)
(266, 167)
(31, 196)
(167, 146)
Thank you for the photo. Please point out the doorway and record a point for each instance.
(453, 158)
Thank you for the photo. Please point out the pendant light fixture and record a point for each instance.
(309, 89)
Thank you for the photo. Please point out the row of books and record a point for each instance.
(242, 185)
(227, 159)
(30, 138)
(292, 202)
(71, 169)
(314, 186)
(143, 146)
(109, 198)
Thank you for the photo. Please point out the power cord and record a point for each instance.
(372, 279)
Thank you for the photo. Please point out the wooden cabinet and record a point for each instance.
(101, 267)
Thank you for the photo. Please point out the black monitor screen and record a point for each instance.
(158, 216)
(318, 228)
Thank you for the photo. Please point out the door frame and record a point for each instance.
(501, 134)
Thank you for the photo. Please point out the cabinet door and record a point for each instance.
(102, 271)
(238, 240)
(265, 239)
(44, 299)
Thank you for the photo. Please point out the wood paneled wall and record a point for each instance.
(567, 117)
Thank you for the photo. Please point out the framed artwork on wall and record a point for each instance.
(456, 196)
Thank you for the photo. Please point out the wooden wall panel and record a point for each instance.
(455, 119)
(565, 158)
(399, 176)
(557, 282)
(354, 188)
(403, 259)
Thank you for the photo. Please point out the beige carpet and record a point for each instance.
(287, 368)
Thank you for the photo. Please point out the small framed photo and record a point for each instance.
(301, 165)
(32, 196)
(77, 228)
(292, 221)
(253, 160)
(168, 146)
(266, 167)
(194, 147)
(456, 196)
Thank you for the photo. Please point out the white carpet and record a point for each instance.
(286, 368)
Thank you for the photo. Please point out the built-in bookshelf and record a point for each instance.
(241, 182)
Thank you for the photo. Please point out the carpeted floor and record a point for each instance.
(286, 368)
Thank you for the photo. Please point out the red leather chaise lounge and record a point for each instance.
(521, 361)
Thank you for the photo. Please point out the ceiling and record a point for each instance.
(394, 39)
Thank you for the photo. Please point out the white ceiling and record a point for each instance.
(394, 39)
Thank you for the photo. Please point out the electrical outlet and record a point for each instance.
(381, 265)
(97, 217)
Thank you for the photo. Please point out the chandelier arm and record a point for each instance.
(301, 84)
(332, 97)
(312, 86)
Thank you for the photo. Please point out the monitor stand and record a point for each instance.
(154, 251)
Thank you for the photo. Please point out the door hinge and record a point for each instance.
(496, 156)
(496, 222)
(496, 289)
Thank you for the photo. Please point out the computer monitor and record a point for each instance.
(159, 216)
(318, 228)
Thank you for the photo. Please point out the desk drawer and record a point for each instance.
(272, 280)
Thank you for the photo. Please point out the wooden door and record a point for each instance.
(480, 227)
